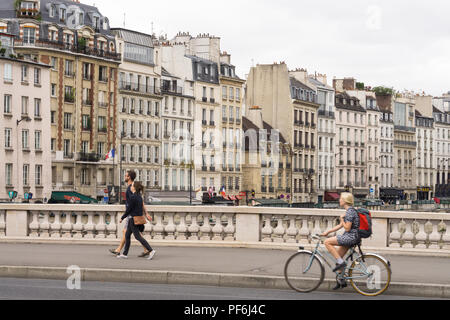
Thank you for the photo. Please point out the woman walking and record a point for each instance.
(135, 209)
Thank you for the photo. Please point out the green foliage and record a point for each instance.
(17, 4)
(360, 85)
(384, 91)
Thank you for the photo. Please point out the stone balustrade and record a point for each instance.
(229, 225)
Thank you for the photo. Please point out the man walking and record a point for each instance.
(130, 176)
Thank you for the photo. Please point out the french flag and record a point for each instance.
(223, 192)
(111, 154)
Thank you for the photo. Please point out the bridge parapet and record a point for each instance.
(229, 225)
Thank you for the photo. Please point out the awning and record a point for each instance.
(70, 197)
(332, 196)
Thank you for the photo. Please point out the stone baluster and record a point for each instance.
(182, 228)
(408, 236)
(292, 231)
(44, 226)
(218, 228)
(267, 230)
(100, 227)
(148, 228)
(78, 226)
(89, 227)
(435, 236)
(316, 229)
(170, 228)
(421, 236)
(194, 227)
(111, 228)
(55, 227)
(330, 225)
(159, 227)
(67, 226)
(304, 231)
(446, 236)
(34, 225)
(279, 231)
(395, 235)
(206, 228)
(2, 223)
(230, 228)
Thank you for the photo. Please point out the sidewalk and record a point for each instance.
(213, 266)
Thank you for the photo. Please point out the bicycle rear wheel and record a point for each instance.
(370, 277)
(304, 272)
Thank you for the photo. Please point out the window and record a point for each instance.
(52, 11)
(62, 14)
(86, 122)
(29, 35)
(8, 72)
(25, 139)
(52, 117)
(7, 104)
(24, 105)
(8, 138)
(238, 94)
(67, 148)
(53, 90)
(52, 144)
(26, 173)
(37, 108)
(37, 76)
(8, 174)
(37, 140)
(24, 74)
(224, 93)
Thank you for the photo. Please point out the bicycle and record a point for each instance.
(369, 274)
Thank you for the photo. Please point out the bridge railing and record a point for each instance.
(408, 230)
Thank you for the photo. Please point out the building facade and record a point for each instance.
(267, 165)
(76, 41)
(442, 147)
(139, 109)
(289, 105)
(425, 157)
(326, 132)
(231, 87)
(351, 158)
(25, 126)
(387, 189)
(405, 145)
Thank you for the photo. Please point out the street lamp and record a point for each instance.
(27, 119)
(122, 135)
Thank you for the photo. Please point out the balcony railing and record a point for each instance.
(71, 48)
(139, 87)
(89, 157)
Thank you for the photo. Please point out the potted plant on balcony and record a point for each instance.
(81, 44)
(2, 51)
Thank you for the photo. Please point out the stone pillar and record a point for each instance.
(379, 234)
(16, 224)
(247, 227)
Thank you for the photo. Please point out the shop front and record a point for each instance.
(391, 195)
(424, 193)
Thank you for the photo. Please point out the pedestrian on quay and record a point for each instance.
(135, 211)
(130, 176)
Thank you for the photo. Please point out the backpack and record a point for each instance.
(365, 223)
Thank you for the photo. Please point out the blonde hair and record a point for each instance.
(348, 198)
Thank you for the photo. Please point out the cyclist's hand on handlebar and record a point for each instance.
(325, 234)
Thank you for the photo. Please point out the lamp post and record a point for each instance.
(191, 165)
(27, 119)
(120, 167)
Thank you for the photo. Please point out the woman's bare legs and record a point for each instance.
(331, 245)
(122, 242)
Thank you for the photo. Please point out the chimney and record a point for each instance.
(255, 115)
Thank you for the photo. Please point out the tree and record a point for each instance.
(384, 91)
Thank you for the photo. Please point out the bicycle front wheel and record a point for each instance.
(304, 272)
(371, 276)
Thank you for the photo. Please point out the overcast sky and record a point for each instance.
(403, 44)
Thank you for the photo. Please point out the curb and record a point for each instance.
(223, 244)
(206, 279)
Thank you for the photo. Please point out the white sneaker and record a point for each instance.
(152, 254)
(122, 257)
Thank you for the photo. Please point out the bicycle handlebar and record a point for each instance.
(316, 237)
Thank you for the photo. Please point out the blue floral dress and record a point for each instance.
(351, 238)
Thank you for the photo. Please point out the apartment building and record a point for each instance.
(388, 192)
(267, 165)
(231, 125)
(326, 132)
(139, 108)
(289, 105)
(76, 41)
(177, 132)
(351, 154)
(405, 145)
(442, 147)
(25, 126)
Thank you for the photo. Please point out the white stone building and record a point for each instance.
(25, 161)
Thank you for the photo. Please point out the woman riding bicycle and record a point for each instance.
(350, 222)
